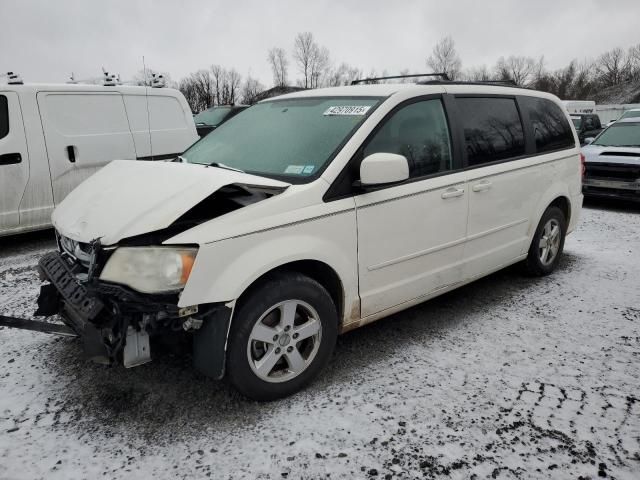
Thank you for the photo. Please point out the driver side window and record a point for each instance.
(418, 131)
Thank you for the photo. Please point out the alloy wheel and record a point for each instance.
(284, 341)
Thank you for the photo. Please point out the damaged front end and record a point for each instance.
(116, 322)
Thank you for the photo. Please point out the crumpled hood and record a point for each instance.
(128, 198)
(622, 155)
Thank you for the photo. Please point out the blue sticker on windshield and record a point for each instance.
(295, 169)
(308, 169)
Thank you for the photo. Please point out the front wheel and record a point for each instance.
(282, 335)
(547, 244)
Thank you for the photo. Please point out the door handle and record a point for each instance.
(10, 158)
(481, 187)
(452, 192)
(71, 153)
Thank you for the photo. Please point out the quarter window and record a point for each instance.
(418, 131)
(551, 129)
(4, 117)
(492, 129)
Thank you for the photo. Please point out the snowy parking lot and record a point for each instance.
(509, 377)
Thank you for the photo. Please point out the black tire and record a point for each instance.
(533, 264)
(262, 298)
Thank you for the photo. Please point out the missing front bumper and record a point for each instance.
(116, 324)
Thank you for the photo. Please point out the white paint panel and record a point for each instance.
(170, 132)
(502, 201)
(410, 240)
(95, 125)
(13, 177)
(136, 106)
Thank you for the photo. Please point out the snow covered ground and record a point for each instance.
(510, 377)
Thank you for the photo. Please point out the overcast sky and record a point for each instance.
(47, 40)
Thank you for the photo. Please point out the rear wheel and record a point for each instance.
(547, 244)
(282, 335)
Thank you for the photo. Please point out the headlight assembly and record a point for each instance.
(150, 269)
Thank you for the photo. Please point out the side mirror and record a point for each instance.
(382, 169)
(588, 140)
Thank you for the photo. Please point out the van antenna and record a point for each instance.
(146, 94)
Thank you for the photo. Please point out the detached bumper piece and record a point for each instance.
(36, 326)
(114, 322)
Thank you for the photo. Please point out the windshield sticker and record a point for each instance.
(347, 110)
(308, 169)
(295, 169)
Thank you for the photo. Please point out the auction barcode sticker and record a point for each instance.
(347, 110)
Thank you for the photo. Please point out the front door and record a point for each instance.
(14, 160)
(411, 236)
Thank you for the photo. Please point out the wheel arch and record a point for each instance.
(319, 271)
(556, 195)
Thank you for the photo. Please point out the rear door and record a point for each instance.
(503, 186)
(172, 128)
(14, 160)
(83, 132)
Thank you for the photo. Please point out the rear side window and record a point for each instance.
(551, 129)
(4, 117)
(420, 132)
(492, 129)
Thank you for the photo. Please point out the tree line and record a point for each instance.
(312, 66)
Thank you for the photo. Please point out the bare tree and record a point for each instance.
(522, 70)
(230, 87)
(344, 74)
(304, 50)
(312, 60)
(613, 67)
(198, 89)
(634, 61)
(279, 66)
(250, 90)
(477, 74)
(444, 58)
(219, 78)
(320, 65)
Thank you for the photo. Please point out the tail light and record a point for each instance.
(582, 164)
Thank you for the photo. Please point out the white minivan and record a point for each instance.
(309, 215)
(52, 137)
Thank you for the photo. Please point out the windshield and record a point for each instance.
(577, 122)
(620, 135)
(291, 138)
(212, 116)
(631, 114)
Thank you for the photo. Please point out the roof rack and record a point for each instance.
(13, 78)
(444, 77)
(504, 83)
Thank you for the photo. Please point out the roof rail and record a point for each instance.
(444, 77)
(504, 83)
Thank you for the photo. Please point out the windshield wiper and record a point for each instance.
(226, 167)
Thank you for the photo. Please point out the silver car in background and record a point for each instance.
(612, 161)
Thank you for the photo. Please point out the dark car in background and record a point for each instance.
(587, 125)
(209, 119)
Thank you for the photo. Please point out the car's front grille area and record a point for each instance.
(613, 171)
(78, 251)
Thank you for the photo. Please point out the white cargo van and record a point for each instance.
(52, 137)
